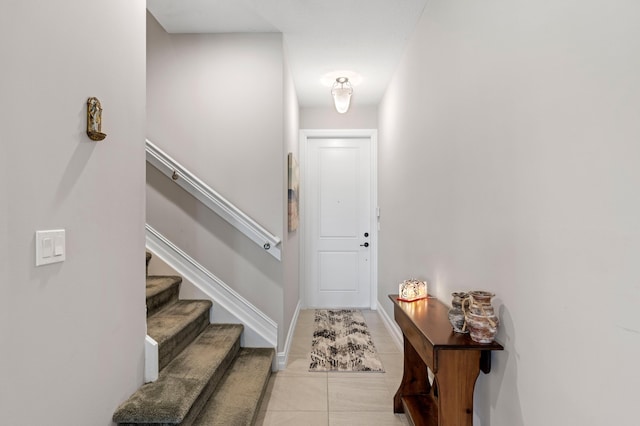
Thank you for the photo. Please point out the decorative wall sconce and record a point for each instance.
(94, 120)
(341, 92)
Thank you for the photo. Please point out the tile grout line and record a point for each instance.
(304, 329)
(328, 405)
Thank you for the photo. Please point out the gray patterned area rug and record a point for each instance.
(341, 342)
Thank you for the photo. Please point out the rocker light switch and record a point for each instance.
(50, 247)
(58, 247)
(47, 247)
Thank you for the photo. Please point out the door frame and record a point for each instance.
(305, 136)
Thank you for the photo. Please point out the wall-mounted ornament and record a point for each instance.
(94, 120)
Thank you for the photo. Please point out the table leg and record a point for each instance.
(415, 380)
(456, 377)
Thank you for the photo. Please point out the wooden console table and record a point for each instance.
(454, 359)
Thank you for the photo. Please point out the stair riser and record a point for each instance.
(176, 344)
(160, 300)
(204, 396)
(186, 384)
(237, 399)
(197, 407)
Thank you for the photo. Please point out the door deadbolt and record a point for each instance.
(364, 245)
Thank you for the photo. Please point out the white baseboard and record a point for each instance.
(283, 356)
(392, 328)
(260, 330)
(151, 366)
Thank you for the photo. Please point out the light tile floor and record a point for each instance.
(296, 396)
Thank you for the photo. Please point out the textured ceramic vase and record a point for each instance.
(482, 321)
(456, 313)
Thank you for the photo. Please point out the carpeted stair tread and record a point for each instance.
(175, 326)
(161, 290)
(237, 399)
(186, 383)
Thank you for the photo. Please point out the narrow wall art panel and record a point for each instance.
(294, 192)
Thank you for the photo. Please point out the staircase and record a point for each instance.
(206, 378)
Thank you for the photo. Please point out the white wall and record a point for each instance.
(291, 241)
(72, 333)
(326, 117)
(215, 103)
(508, 152)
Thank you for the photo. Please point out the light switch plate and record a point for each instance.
(50, 247)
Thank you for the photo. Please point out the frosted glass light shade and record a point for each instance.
(341, 92)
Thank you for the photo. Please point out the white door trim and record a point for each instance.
(372, 134)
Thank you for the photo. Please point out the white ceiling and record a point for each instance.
(362, 36)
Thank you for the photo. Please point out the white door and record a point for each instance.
(338, 222)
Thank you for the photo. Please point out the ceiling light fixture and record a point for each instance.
(341, 92)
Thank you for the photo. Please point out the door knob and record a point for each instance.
(364, 245)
